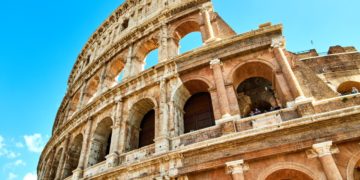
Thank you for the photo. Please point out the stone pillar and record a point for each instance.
(215, 65)
(236, 169)
(169, 47)
(207, 21)
(113, 158)
(128, 65)
(162, 140)
(324, 154)
(78, 173)
(286, 68)
(59, 172)
(82, 96)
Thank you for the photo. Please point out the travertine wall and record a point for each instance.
(313, 134)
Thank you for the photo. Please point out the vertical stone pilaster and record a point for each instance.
(324, 154)
(208, 26)
(215, 65)
(60, 171)
(128, 65)
(168, 45)
(78, 173)
(237, 169)
(113, 158)
(162, 140)
(286, 68)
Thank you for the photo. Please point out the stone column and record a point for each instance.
(82, 96)
(59, 172)
(236, 169)
(169, 47)
(162, 140)
(286, 68)
(207, 20)
(324, 154)
(113, 158)
(215, 65)
(128, 65)
(78, 172)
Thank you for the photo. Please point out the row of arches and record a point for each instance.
(187, 35)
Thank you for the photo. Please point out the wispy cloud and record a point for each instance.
(19, 145)
(12, 176)
(35, 143)
(30, 176)
(4, 152)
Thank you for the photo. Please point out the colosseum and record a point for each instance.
(239, 107)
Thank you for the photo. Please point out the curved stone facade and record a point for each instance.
(239, 107)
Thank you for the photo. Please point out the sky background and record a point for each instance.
(40, 40)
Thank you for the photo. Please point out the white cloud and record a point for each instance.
(4, 152)
(19, 162)
(30, 176)
(12, 176)
(19, 145)
(35, 143)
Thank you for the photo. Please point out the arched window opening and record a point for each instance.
(190, 41)
(255, 96)
(55, 165)
(141, 121)
(151, 59)
(193, 107)
(357, 170)
(101, 141)
(74, 103)
(120, 77)
(288, 174)
(198, 112)
(125, 24)
(349, 87)
(92, 88)
(147, 129)
(115, 70)
(73, 156)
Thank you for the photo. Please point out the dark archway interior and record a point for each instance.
(198, 112)
(357, 170)
(147, 129)
(255, 96)
(73, 156)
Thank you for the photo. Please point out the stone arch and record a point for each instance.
(100, 142)
(114, 69)
(74, 102)
(188, 91)
(92, 88)
(348, 87)
(252, 68)
(73, 155)
(292, 168)
(55, 164)
(352, 165)
(244, 77)
(137, 113)
(47, 167)
(142, 49)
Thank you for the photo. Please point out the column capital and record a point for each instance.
(236, 167)
(215, 62)
(278, 42)
(323, 149)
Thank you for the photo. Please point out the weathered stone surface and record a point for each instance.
(277, 125)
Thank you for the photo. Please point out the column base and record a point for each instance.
(77, 174)
(162, 145)
(227, 118)
(112, 160)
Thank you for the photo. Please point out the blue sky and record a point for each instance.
(40, 40)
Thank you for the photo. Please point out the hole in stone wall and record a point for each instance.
(190, 41)
(151, 59)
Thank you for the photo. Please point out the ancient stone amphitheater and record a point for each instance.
(239, 107)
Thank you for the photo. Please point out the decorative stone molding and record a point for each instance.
(215, 62)
(322, 149)
(278, 42)
(236, 167)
